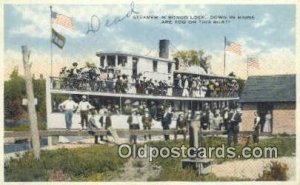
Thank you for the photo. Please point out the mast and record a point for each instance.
(224, 55)
(51, 49)
(247, 66)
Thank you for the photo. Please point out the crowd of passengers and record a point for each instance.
(93, 78)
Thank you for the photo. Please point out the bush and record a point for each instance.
(102, 163)
(171, 169)
(74, 164)
(24, 127)
(275, 172)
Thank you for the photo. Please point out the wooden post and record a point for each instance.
(31, 106)
(54, 140)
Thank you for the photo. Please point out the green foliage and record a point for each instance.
(26, 127)
(89, 64)
(80, 164)
(102, 163)
(171, 168)
(15, 91)
(275, 172)
(25, 169)
(39, 88)
(192, 57)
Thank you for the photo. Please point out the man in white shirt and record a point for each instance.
(68, 106)
(84, 107)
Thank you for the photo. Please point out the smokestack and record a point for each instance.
(164, 48)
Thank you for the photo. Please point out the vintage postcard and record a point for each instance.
(151, 92)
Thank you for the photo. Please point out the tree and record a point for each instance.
(39, 88)
(193, 57)
(89, 64)
(14, 92)
(30, 106)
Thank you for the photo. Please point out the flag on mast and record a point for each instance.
(252, 61)
(233, 47)
(58, 39)
(61, 19)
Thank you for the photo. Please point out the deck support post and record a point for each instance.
(53, 140)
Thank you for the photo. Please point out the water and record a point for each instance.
(23, 146)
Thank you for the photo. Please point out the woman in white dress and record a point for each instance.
(267, 125)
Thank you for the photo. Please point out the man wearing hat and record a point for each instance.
(118, 85)
(235, 88)
(170, 86)
(225, 117)
(103, 78)
(256, 127)
(153, 110)
(105, 122)
(84, 107)
(116, 109)
(124, 87)
(181, 126)
(185, 84)
(134, 124)
(92, 121)
(166, 121)
(188, 115)
(178, 85)
(233, 127)
(204, 120)
(138, 84)
(135, 104)
(203, 89)
(194, 130)
(147, 122)
(74, 70)
(68, 106)
(217, 120)
(150, 86)
(92, 124)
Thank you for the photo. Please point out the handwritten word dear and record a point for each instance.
(95, 23)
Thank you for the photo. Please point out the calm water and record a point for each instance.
(23, 146)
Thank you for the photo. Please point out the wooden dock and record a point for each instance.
(55, 133)
(102, 132)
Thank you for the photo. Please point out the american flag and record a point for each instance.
(61, 20)
(234, 47)
(252, 61)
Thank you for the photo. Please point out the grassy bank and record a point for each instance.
(171, 169)
(102, 163)
(96, 163)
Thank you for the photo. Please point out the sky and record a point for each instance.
(269, 35)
